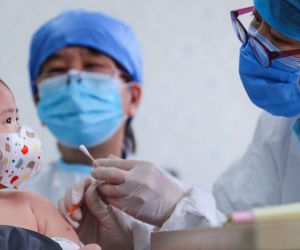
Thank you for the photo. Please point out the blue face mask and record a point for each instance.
(276, 88)
(81, 107)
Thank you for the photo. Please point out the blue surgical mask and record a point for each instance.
(81, 107)
(276, 88)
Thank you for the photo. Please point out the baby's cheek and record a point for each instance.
(8, 128)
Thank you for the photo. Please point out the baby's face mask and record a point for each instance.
(20, 156)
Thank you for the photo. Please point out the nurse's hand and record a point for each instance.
(90, 247)
(95, 221)
(138, 188)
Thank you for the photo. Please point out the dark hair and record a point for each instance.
(129, 143)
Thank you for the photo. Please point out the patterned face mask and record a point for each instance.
(20, 156)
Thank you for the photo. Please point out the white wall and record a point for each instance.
(195, 115)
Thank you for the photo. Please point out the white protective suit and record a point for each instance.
(56, 177)
(197, 209)
(268, 173)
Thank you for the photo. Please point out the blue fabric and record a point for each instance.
(75, 167)
(282, 15)
(81, 107)
(296, 129)
(90, 29)
(274, 89)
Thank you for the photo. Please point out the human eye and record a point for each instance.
(98, 67)
(256, 20)
(95, 66)
(54, 71)
(53, 67)
(8, 120)
(11, 120)
(92, 66)
(281, 42)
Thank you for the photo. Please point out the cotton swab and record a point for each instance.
(84, 150)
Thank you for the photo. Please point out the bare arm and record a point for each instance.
(49, 221)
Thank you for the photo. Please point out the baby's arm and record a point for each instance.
(49, 220)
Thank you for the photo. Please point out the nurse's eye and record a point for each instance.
(277, 40)
(98, 67)
(92, 66)
(257, 20)
(56, 71)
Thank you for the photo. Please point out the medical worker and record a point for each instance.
(269, 171)
(86, 74)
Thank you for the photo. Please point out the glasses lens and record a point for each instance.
(259, 52)
(239, 30)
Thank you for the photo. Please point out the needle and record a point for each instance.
(84, 150)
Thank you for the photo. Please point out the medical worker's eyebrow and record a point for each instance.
(54, 57)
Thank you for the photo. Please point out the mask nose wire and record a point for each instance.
(74, 75)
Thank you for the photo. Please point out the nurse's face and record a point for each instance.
(79, 58)
(279, 40)
(86, 59)
(8, 111)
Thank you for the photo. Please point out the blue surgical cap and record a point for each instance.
(90, 29)
(282, 15)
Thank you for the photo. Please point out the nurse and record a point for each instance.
(86, 74)
(267, 174)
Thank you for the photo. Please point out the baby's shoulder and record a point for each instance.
(30, 198)
(42, 209)
(14, 195)
(22, 194)
(36, 199)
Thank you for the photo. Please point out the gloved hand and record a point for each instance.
(90, 247)
(138, 188)
(95, 221)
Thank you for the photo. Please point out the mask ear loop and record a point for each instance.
(130, 84)
(118, 75)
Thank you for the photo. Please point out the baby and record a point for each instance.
(20, 158)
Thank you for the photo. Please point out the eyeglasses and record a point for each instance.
(262, 54)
